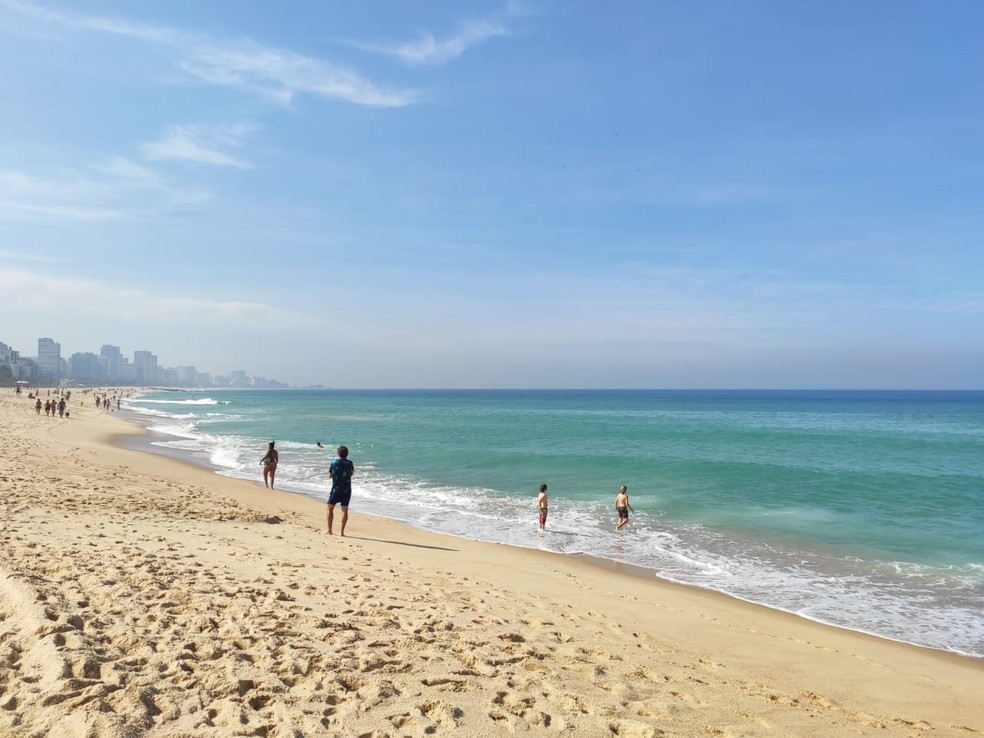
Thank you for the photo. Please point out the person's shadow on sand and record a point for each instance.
(401, 543)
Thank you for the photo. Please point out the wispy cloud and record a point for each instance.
(428, 50)
(67, 212)
(274, 73)
(199, 143)
(129, 171)
(128, 181)
(83, 312)
(63, 197)
(93, 299)
(9, 256)
(117, 189)
(80, 22)
(281, 75)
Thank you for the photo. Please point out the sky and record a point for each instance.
(536, 193)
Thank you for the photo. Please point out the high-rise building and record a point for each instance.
(86, 367)
(49, 360)
(21, 368)
(185, 376)
(112, 361)
(238, 378)
(145, 363)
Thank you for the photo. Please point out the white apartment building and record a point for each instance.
(146, 367)
(112, 361)
(49, 360)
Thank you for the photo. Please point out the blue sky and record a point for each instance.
(500, 194)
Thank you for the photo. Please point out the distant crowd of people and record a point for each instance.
(57, 404)
(52, 406)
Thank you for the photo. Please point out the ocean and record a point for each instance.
(862, 509)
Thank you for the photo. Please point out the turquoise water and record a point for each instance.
(861, 509)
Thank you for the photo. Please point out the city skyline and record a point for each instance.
(50, 368)
(511, 193)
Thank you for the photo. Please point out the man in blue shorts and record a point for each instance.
(341, 472)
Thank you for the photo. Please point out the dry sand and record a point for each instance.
(140, 596)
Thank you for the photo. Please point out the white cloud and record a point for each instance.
(86, 299)
(277, 74)
(65, 196)
(429, 50)
(67, 212)
(130, 171)
(198, 143)
(118, 189)
(91, 23)
(280, 75)
(213, 334)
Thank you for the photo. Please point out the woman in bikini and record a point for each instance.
(269, 461)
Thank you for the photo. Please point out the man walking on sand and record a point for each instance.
(341, 472)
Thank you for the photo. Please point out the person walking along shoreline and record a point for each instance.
(269, 461)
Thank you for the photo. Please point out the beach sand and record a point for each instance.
(142, 596)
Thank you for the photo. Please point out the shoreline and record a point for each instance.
(142, 440)
(139, 596)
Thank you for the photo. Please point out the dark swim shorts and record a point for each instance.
(623, 512)
(340, 497)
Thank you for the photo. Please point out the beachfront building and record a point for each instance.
(49, 361)
(7, 358)
(111, 367)
(147, 371)
(187, 376)
(19, 368)
(112, 360)
(86, 368)
(264, 383)
(127, 374)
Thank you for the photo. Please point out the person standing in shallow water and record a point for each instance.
(541, 505)
(341, 472)
(270, 460)
(622, 507)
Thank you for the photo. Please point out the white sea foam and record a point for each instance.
(201, 401)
